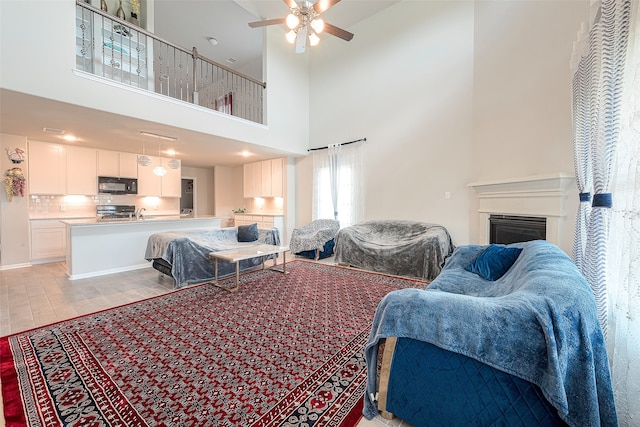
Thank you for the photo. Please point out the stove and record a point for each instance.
(115, 211)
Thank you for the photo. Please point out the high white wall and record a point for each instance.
(405, 82)
(447, 93)
(522, 93)
(522, 87)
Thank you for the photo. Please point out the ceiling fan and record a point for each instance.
(304, 23)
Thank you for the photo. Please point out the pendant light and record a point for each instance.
(144, 160)
(173, 163)
(159, 170)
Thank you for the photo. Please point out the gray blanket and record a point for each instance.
(404, 248)
(537, 322)
(313, 235)
(188, 252)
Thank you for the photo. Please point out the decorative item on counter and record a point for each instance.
(239, 210)
(135, 9)
(16, 155)
(14, 183)
(120, 12)
(103, 5)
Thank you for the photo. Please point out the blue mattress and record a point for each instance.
(429, 386)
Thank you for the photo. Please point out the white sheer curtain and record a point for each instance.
(606, 114)
(598, 88)
(338, 183)
(624, 243)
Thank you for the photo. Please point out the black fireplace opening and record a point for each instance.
(505, 229)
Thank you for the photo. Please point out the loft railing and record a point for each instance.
(118, 50)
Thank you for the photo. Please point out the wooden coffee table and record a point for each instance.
(249, 252)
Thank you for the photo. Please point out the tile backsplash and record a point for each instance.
(45, 207)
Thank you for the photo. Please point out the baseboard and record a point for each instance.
(111, 271)
(14, 266)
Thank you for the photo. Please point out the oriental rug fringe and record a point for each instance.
(284, 350)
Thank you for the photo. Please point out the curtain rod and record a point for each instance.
(344, 143)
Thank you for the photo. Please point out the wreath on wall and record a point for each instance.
(14, 183)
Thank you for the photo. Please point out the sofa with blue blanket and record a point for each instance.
(184, 255)
(505, 335)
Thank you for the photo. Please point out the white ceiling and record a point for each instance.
(187, 23)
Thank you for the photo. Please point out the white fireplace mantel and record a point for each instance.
(540, 196)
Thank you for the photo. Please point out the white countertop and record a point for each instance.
(145, 219)
(260, 214)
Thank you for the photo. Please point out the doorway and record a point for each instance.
(187, 198)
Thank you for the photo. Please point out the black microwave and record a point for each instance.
(113, 185)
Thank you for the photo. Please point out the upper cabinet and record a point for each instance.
(82, 172)
(169, 185)
(264, 179)
(276, 187)
(114, 163)
(148, 182)
(47, 168)
(62, 169)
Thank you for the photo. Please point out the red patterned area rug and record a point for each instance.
(284, 350)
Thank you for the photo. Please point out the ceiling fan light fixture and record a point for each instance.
(314, 39)
(292, 21)
(291, 36)
(317, 25)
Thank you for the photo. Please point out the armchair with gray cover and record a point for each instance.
(314, 240)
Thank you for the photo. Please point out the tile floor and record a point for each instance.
(36, 296)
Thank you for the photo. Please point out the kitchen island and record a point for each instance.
(97, 246)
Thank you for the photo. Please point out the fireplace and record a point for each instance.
(552, 198)
(507, 229)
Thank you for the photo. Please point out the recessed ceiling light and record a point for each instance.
(69, 138)
(245, 153)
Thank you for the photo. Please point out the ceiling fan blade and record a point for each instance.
(267, 22)
(291, 4)
(322, 5)
(338, 32)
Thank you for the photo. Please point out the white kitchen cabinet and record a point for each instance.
(265, 184)
(252, 180)
(171, 183)
(277, 177)
(47, 168)
(257, 179)
(263, 179)
(247, 180)
(82, 171)
(150, 184)
(48, 241)
(120, 165)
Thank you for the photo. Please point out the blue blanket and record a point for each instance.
(188, 252)
(537, 322)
